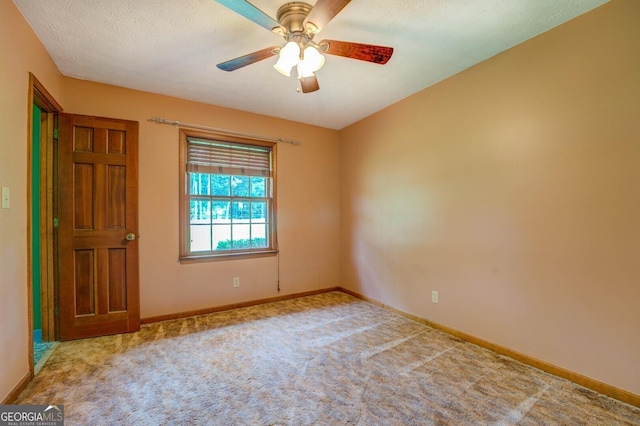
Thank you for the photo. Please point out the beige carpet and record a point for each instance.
(328, 359)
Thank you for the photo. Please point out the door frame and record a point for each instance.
(39, 96)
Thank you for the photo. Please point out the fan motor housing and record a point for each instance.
(292, 15)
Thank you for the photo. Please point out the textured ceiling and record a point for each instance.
(172, 47)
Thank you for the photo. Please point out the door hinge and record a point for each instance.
(56, 311)
(55, 133)
(55, 222)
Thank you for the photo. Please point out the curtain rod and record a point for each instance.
(160, 120)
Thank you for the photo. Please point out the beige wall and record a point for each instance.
(513, 189)
(308, 197)
(308, 203)
(20, 53)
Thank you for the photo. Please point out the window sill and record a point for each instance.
(227, 256)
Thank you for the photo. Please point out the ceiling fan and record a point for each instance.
(298, 23)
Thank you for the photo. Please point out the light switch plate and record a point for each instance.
(6, 201)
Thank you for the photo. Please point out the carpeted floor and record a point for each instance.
(328, 359)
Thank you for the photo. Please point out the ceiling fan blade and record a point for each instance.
(309, 84)
(363, 52)
(251, 12)
(322, 13)
(249, 59)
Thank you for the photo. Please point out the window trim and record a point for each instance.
(184, 255)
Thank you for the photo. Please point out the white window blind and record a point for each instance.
(207, 156)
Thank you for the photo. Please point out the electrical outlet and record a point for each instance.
(434, 296)
(236, 282)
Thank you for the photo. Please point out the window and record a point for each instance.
(227, 196)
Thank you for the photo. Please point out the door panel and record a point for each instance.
(117, 206)
(98, 181)
(117, 280)
(83, 196)
(84, 284)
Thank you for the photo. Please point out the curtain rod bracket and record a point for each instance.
(161, 120)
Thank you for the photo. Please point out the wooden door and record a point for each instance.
(98, 226)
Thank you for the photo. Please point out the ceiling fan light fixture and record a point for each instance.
(289, 56)
(311, 62)
(283, 68)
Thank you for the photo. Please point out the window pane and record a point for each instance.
(240, 186)
(240, 211)
(241, 237)
(221, 211)
(259, 236)
(222, 237)
(259, 211)
(200, 237)
(200, 211)
(199, 183)
(220, 185)
(258, 186)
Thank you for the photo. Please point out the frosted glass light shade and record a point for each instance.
(312, 61)
(289, 56)
(283, 67)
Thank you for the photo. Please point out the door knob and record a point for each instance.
(130, 236)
